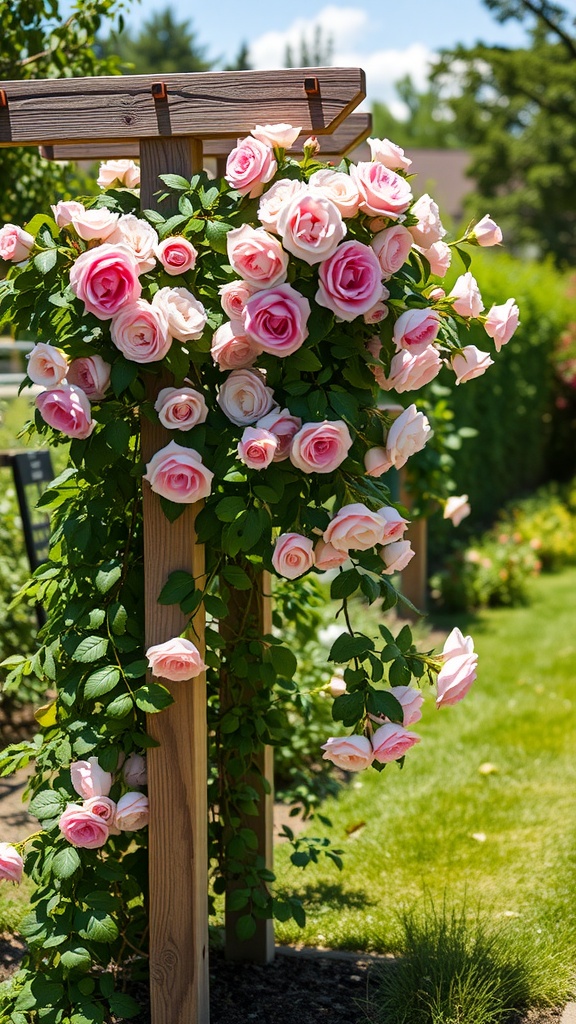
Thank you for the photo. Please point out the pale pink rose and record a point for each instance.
(180, 408)
(416, 329)
(95, 225)
(176, 254)
(311, 227)
(89, 779)
(468, 300)
(486, 232)
(66, 409)
(118, 172)
(501, 323)
(234, 296)
(185, 313)
(92, 375)
(279, 195)
(410, 371)
(326, 557)
(392, 248)
(82, 828)
(377, 313)
(102, 806)
(311, 147)
(395, 524)
(411, 701)
(293, 555)
(139, 237)
(388, 153)
(351, 753)
(457, 508)
(249, 166)
(47, 365)
(106, 279)
(178, 474)
(177, 659)
(436, 294)
(350, 281)
(284, 426)
(244, 397)
(439, 256)
(469, 363)
(456, 644)
(65, 210)
(11, 864)
(383, 192)
(458, 670)
(140, 330)
(320, 447)
(396, 556)
(336, 687)
(407, 435)
(15, 243)
(257, 447)
(134, 771)
(277, 319)
(257, 257)
(132, 812)
(355, 528)
(232, 349)
(429, 228)
(390, 742)
(377, 461)
(278, 136)
(338, 188)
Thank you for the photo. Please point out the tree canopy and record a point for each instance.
(163, 45)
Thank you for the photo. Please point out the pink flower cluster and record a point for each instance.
(89, 824)
(388, 743)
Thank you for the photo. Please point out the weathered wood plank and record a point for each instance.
(208, 104)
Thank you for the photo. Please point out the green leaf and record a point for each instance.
(284, 661)
(95, 925)
(245, 927)
(153, 697)
(237, 900)
(44, 261)
(178, 586)
(399, 673)
(172, 509)
(175, 181)
(216, 231)
(349, 708)
(65, 863)
(118, 617)
(46, 804)
(404, 639)
(229, 508)
(78, 959)
(91, 648)
(107, 576)
(464, 256)
(120, 706)
(123, 1005)
(347, 647)
(237, 577)
(384, 703)
(344, 584)
(101, 681)
(122, 375)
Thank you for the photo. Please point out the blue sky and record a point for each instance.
(385, 37)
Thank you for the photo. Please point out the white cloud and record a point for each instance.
(340, 24)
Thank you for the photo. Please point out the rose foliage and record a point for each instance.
(257, 324)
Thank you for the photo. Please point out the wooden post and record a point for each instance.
(415, 575)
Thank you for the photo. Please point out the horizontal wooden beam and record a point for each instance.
(349, 134)
(214, 104)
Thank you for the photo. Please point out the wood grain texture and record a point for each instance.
(349, 134)
(415, 576)
(177, 772)
(205, 105)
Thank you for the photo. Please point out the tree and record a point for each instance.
(163, 46)
(430, 123)
(242, 61)
(315, 53)
(516, 110)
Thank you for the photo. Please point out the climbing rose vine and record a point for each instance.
(259, 325)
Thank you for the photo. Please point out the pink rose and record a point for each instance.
(407, 435)
(395, 524)
(436, 294)
(284, 426)
(377, 313)
(47, 365)
(132, 812)
(177, 660)
(320, 447)
(82, 828)
(257, 447)
(355, 528)
(388, 153)
(377, 461)
(501, 323)
(458, 670)
(15, 243)
(232, 349)
(351, 753)
(139, 237)
(176, 254)
(257, 257)
(469, 363)
(234, 296)
(486, 232)
(95, 225)
(311, 227)
(350, 281)
(277, 319)
(178, 474)
(429, 228)
(390, 742)
(278, 136)
(118, 172)
(279, 195)
(63, 212)
(396, 556)
(140, 330)
(11, 864)
(103, 807)
(326, 557)
(185, 314)
(134, 771)
(410, 371)
(411, 701)
(383, 192)
(249, 166)
(457, 508)
(91, 374)
(416, 329)
(180, 408)
(89, 779)
(336, 687)
(392, 248)
(439, 256)
(66, 409)
(244, 397)
(338, 188)
(466, 295)
(105, 279)
(293, 555)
